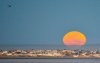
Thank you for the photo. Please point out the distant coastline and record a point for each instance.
(50, 54)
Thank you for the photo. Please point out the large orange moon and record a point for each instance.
(74, 38)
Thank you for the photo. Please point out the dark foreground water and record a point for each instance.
(49, 60)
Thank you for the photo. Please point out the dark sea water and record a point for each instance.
(49, 60)
(25, 47)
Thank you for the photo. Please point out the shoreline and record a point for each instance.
(49, 54)
(49, 58)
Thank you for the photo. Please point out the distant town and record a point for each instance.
(49, 54)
